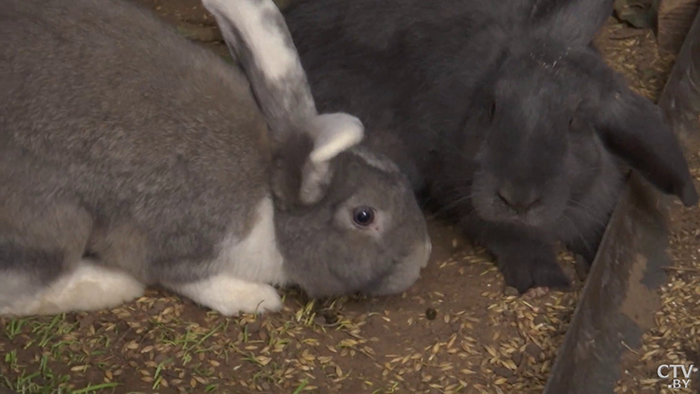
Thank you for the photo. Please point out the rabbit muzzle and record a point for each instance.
(404, 273)
(523, 204)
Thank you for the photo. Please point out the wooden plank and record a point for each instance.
(680, 99)
(674, 20)
(619, 298)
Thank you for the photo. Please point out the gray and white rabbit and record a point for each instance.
(510, 122)
(130, 157)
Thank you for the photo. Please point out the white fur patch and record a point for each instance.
(266, 42)
(230, 296)
(335, 133)
(256, 257)
(87, 288)
(14, 286)
(427, 252)
(246, 270)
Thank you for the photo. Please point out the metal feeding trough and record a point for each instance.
(620, 296)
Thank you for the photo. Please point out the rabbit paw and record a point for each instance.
(535, 277)
(87, 288)
(231, 296)
(535, 292)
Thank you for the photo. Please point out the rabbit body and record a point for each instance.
(508, 121)
(132, 157)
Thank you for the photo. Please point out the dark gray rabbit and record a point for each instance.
(502, 113)
(130, 156)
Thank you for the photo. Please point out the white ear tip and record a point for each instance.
(335, 133)
(209, 3)
(339, 120)
(343, 117)
(349, 124)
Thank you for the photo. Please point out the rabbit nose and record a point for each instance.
(521, 200)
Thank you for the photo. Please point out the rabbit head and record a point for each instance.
(363, 232)
(346, 219)
(547, 117)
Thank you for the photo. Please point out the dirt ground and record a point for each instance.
(454, 331)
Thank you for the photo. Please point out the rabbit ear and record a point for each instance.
(333, 134)
(634, 129)
(257, 36)
(573, 21)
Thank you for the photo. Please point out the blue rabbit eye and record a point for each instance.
(363, 216)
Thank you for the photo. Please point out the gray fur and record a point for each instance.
(488, 98)
(124, 144)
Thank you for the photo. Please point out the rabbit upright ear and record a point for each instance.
(257, 36)
(574, 21)
(634, 129)
(332, 134)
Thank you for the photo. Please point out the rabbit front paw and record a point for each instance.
(231, 296)
(533, 276)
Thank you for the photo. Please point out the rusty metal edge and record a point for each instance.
(620, 296)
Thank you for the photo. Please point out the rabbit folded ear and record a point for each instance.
(258, 38)
(332, 135)
(634, 129)
(574, 21)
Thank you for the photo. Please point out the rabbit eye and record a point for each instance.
(363, 216)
